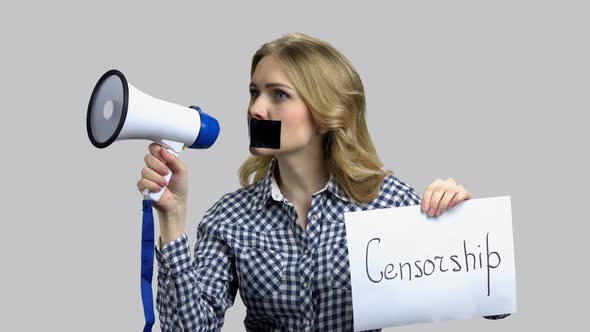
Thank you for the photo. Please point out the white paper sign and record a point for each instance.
(407, 267)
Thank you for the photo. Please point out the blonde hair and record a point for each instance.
(333, 92)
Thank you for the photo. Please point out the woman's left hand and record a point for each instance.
(443, 194)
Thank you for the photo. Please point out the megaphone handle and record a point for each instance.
(156, 195)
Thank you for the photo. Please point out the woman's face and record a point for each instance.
(273, 97)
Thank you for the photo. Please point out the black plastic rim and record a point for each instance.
(124, 110)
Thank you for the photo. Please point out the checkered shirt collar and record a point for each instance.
(267, 188)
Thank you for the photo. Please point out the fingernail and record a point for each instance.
(425, 207)
(438, 213)
(431, 212)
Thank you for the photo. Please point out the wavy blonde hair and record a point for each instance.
(333, 92)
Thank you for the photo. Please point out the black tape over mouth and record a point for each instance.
(264, 133)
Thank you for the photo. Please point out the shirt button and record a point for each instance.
(307, 322)
(305, 285)
(306, 251)
(314, 217)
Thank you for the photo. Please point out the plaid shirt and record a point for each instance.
(251, 239)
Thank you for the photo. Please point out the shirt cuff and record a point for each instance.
(174, 258)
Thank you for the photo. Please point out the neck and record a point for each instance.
(301, 174)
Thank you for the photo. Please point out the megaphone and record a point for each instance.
(118, 111)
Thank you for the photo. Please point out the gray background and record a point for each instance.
(490, 93)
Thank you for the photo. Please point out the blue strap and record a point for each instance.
(147, 264)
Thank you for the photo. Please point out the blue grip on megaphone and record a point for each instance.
(208, 132)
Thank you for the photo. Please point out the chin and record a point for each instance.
(263, 151)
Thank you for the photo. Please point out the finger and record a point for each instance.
(426, 197)
(446, 199)
(149, 185)
(156, 164)
(153, 176)
(172, 161)
(461, 196)
(155, 150)
(437, 195)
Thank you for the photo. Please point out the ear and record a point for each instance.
(320, 130)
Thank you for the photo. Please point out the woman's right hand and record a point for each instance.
(158, 162)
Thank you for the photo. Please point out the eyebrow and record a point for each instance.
(272, 85)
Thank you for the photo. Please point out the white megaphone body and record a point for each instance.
(119, 111)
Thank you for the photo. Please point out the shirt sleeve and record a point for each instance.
(195, 296)
(410, 198)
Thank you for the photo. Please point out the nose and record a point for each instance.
(258, 109)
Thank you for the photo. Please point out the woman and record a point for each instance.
(281, 238)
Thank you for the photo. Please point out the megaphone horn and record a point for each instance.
(119, 111)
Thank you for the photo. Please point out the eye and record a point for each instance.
(253, 93)
(280, 95)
